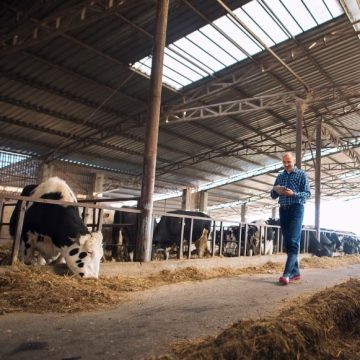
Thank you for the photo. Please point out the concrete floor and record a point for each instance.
(153, 319)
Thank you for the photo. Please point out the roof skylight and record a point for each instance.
(224, 42)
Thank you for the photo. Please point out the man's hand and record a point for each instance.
(286, 192)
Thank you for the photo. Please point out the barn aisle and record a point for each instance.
(155, 318)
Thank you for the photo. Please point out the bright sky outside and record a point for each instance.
(224, 42)
(336, 215)
(339, 215)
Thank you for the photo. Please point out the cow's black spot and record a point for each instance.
(27, 245)
(82, 255)
(78, 261)
(53, 195)
(81, 274)
(81, 264)
(73, 251)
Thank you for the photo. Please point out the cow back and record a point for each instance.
(63, 224)
(168, 230)
(27, 191)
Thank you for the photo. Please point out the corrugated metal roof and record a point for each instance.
(71, 94)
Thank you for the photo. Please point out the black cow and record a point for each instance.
(351, 245)
(230, 240)
(124, 235)
(264, 238)
(319, 247)
(334, 238)
(167, 233)
(120, 234)
(257, 233)
(55, 230)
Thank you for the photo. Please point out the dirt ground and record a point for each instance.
(153, 320)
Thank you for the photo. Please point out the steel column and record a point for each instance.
(144, 239)
(318, 178)
(299, 121)
(243, 212)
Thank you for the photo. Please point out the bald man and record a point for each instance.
(292, 189)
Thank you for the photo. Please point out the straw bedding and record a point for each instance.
(325, 326)
(23, 287)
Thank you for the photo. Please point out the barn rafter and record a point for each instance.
(72, 90)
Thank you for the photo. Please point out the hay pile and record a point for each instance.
(324, 327)
(35, 289)
(5, 255)
(329, 262)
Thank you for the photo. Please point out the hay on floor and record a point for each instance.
(326, 326)
(35, 289)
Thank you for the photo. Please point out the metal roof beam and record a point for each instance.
(249, 72)
(266, 170)
(27, 80)
(84, 13)
(340, 143)
(177, 114)
(256, 103)
(88, 140)
(349, 165)
(350, 187)
(102, 132)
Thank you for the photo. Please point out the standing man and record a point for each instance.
(292, 188)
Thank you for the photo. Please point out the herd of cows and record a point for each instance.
(60, 233)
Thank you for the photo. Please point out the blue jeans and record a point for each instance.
(291, 219)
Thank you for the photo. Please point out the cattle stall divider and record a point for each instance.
(218, 235)
(180, 253)
(24, 203)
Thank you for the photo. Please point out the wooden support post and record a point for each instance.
(318, 178)
(144, 238)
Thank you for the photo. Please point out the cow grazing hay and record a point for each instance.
(325, 326)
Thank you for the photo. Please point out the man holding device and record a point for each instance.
(292, 188)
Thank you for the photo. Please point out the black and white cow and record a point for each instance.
(56, 230)
(119, 229)
(351, 244)
(124, 235)
(325, 246)
(167, 233)
(264, 238)
(258, 235)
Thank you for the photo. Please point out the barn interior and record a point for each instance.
(243, 81)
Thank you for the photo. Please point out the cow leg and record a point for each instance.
(29, 241)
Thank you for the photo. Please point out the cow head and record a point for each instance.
(84, 255)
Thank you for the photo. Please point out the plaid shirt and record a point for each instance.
(298, 182)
